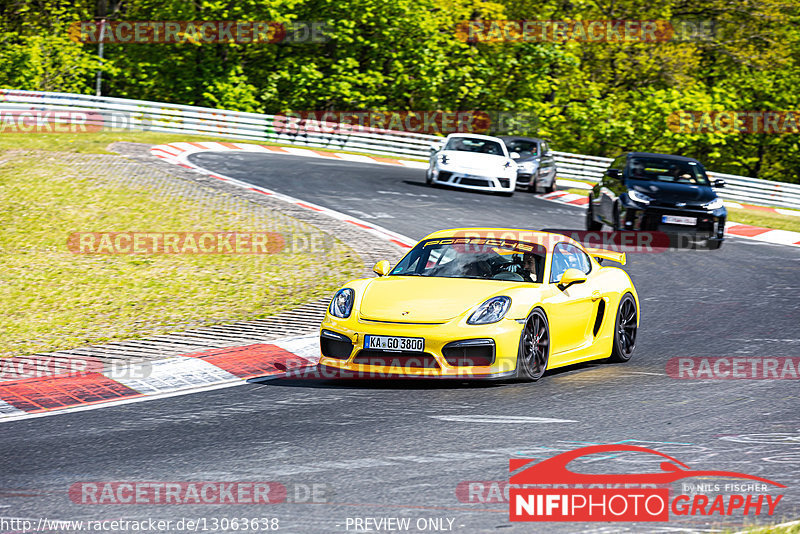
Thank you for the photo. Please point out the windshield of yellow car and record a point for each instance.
(475, 257)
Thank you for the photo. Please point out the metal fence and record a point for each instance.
(92, 112)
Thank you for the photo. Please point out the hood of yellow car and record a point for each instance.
(413, 299)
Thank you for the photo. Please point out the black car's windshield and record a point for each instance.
(474, 144)
(526, 149)
(475, 257)
(667, 170)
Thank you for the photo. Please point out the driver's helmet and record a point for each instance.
(682, 173)
(637, 168)
(529, 264)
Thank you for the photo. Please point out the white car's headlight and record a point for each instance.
(490, 311)
(342, 303)
(714, 204)
(641, 198)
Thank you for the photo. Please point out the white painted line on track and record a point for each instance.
(301, 152)
(499, 419)
(414, 164)
(356, 158)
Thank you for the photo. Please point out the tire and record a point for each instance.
(615, 218)
(591, 224)
(533, 354)
(713, 244)
(625, 329)
(428, 177)
(534, 187)
(550, 188)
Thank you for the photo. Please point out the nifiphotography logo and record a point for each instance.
(624, 497)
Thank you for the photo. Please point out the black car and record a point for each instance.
(658, 192)
(536, 168)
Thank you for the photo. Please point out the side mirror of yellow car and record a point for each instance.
(382, 268)
(571, 276)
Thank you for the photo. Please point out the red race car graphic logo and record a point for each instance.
(628, 501)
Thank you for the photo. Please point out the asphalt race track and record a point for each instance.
(400, 449)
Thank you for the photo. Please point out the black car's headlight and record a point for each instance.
(490, 311)
(342, 303)
(641, 198)
(714, 204)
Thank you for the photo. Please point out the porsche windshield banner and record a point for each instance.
(548, 491)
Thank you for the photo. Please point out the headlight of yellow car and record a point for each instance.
(490, 311)
(342, 303)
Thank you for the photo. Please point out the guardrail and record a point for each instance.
(123, 113)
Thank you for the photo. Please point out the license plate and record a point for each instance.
(395, 343)
(685, 221)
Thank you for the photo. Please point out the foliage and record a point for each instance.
(591, 97)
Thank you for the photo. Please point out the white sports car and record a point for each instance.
(472, 161)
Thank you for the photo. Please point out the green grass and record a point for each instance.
(772, 529)
(86, 143)
(582, 192)
(52, 299)
(755, 217)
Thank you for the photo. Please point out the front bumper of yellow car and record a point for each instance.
(451, 350)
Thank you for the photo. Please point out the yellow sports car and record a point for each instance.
(482, 303)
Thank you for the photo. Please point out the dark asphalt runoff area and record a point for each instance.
(400, 449)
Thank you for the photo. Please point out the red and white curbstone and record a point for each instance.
(563, 197)
(178, 375)
(780, 237)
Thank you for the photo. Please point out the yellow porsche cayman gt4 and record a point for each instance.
(482, 303)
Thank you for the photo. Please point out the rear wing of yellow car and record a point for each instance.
(601, 254)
